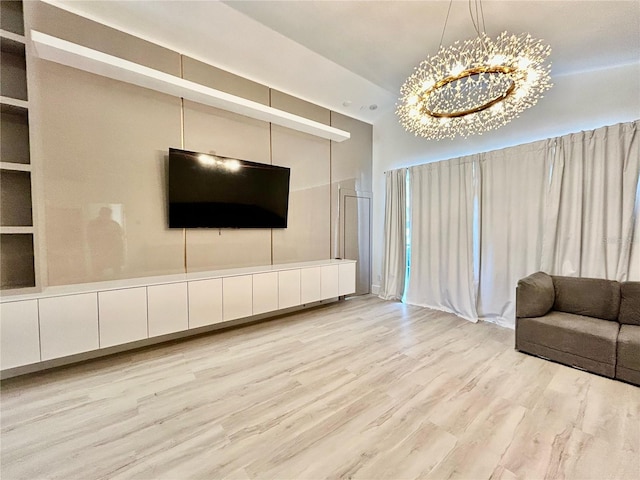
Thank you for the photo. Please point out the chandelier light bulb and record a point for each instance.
(520, 93)
(524, 63)
(532, 76)
(474, 86)
(428, 84)
(456, 70)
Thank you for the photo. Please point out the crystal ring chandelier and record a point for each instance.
(474, 86)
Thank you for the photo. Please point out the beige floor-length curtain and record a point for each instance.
(514, 186)
(442, 274)
(394, 263)
(589, 231)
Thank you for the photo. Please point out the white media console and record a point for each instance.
(95, 319)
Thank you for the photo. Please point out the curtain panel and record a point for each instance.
(394, 262)
(442, 272)
(591, 203)
(514, 185)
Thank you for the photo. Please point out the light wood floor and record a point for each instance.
(360, 389)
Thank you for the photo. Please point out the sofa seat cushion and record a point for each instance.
(628, 366)
(629, 303)
(592, 297)
(577, 335)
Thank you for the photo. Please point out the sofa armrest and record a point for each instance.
(629, 303)
(534, 295)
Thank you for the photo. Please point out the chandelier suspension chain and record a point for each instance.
(445, 24)
(476, 22)
(473, 20)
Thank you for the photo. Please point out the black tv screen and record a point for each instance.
(207, 191)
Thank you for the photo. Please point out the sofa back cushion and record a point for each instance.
(534, 295)
(592, 297)
(629, 303)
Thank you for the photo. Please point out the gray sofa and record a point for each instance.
(588, 323)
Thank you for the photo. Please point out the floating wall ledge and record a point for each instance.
(83, 58)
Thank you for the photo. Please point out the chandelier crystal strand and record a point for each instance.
(474, 86)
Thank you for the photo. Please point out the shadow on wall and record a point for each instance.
(92, 241)
(106, 241)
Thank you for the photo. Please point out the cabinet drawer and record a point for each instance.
(237, 297)
(168, 309)
(68, 325)
(19, 334)
(205, 302)
(329, 281)
(288, 288)
(122, 315)
(265, 292)
(310, 285)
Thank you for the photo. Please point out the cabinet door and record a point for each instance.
(237, 297)
(122, 315)
(265, 292)
(329, 281)
(347, 278)
(288, 288)
(310, 285)
(19, 334)
(168, 310)
(68, 325)
(205, 302)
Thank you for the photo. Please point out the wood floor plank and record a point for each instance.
(360, 389)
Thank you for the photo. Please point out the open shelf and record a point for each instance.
(15, 197)
(83, 58)
(17, 266)
(9, 104)
(20, 167)
(14, 142)
(14, 37)
(16, 230)
(11, 16)
(13, 69)
(12, 43)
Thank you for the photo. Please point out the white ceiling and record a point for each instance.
(332, 52)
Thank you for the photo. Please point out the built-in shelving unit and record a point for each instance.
(67, 53)
(16, 202)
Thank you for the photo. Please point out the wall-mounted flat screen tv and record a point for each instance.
(207, 191)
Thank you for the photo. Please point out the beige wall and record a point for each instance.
(105, 144)
(350, 167)
(307, 236)
(100, 157)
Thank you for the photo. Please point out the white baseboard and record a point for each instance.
(375, 289)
